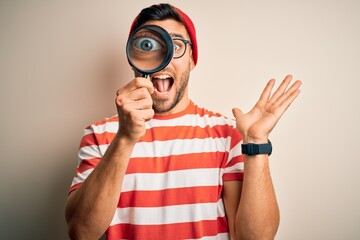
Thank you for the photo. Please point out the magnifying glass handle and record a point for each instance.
(145, 75)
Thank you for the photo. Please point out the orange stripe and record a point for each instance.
(235, 138)
(183, 132)
(167, 133)
(88, 140)
(87, 164)
(97, 139)
(169, 197)
(165, 164)
(202, 112)
(177, 162)
(171, 163)
(192, 109)
(235, 160)
(238, 176)
(168, 231)
(74, 187)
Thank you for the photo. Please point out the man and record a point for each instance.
(165, 168)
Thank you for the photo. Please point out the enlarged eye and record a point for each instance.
(146, 44)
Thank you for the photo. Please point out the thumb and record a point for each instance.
(237, 112)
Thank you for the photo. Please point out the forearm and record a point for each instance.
(258, 213)
(90, 209)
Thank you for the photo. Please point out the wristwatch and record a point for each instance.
(255, 149)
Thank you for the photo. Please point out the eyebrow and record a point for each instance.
(176, 35)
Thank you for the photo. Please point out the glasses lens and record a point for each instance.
(179, 48)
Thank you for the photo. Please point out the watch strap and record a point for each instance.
(255, 149)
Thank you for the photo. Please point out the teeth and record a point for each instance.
(162, 76)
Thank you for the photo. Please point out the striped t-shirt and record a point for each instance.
(173, 184)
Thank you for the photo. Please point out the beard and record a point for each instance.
(165, 105)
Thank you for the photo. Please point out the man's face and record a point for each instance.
(171, 83)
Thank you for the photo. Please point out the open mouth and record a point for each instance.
(162, 83)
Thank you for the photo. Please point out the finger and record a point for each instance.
(287, 102)
(265, 95)
(147, 114)
(237, 113)
(281, 89)
(135, 113)
(294, 86)
(146, 83)
(140, 93)
(286, 94)
(136, 83)
(135, 95)
(140, 104)
(281, 109)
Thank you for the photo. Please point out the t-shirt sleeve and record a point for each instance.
(89, 156)
(234, 168)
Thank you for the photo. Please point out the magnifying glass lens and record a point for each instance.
(149, 49)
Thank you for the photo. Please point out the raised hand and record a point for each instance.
(134, 106)
(256, 125)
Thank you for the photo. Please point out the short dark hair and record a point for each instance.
(165, 11)
(160, 11)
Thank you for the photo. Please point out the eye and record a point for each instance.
(177, 47)
(146, 44)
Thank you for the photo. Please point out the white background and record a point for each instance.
(61, 63)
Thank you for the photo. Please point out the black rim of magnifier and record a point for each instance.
(169, 52)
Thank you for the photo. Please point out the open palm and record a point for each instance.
(256, 125)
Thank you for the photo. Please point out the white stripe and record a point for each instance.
(111, 127)
(220, 236)
(87, 132)
(186, 120)
(238, 167)
(162, 148)
(190, 120)
(80, 177)
(171, 179)
(170, 147)
(169, 214)
(180, 146)
(89, 152)
(235, 151)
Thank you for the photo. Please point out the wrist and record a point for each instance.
(124, 140)
(248, 139)
(130, 138)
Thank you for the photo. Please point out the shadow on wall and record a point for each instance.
(42, 163)
(111, 73)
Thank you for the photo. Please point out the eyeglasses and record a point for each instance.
(180, 47)
(152, 44)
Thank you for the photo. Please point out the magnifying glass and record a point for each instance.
(149, 49)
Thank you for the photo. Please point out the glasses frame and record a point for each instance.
(186, 42)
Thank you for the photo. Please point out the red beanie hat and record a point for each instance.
(189, 27)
